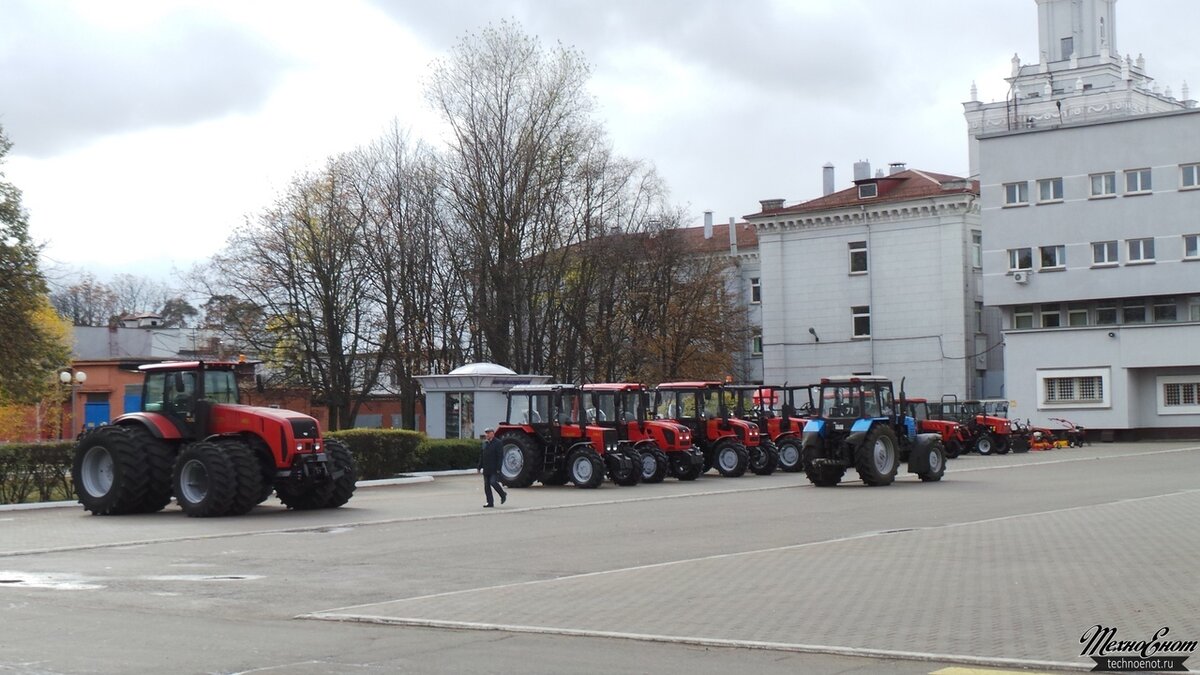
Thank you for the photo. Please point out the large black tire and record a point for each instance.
(160, 460)
(627, 475)
(985, 444)
(556, 477)
(730, 458)
(341, 462)
(791, 457)
(821, 475)
(1002, 445)
(305, 497)
(520, 460)
(655, 464)
(763, 459)
(954, 448)
(683, 468)
(878, 457)
(110, 472)
(585, 468)
(205, 480)
(247, 475)
(935, 463)
(266, 464)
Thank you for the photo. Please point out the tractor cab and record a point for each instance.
(927, 416)
(703, 407)
(664, 446)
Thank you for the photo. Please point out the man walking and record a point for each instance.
(489, 464)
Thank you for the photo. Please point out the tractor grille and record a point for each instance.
(304, 428)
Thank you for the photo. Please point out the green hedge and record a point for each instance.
(35, 472)
(42, 472)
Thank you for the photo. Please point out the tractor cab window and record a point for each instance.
(605, 408)
(220, 386)
(155, 393)
(666, 405)
(572, 405)
(534, 409)
(630, 402)
(887, 404)
(689, 406)
(839, 401)
(712, 403)
(919, 411)
(180, 392)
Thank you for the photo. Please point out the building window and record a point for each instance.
(1104, 184)
(460, 414)
(1104, 253)
(1068, 48)
(1133, 311)
(1077, 314)
(1106, 313)
(1191, 246)
(1020, 259)
(1073, 388)
(1165, 310)
(1016, 194)
(1141, 250)
(1194, 309)
(1189, 176)
(1054, 257)
(1051, 316)
(977, 249)
(979, 317)
(756, 344)
(755, 290)
(858, 257)
(868, 191)
(861, 321)
(1023, 316)
(1050, 190)
(1178, 394)
(1137, 181)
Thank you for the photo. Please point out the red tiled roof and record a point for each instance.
(902, 186)
(693, 238)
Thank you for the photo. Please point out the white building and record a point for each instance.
(882, 278)
(469, 399)
(1090, 232)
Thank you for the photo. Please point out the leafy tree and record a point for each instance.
(176, 312)
(31, 350)
(87, 302)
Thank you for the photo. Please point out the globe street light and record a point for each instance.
(72, 380)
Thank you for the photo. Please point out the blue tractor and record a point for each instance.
(858, 423)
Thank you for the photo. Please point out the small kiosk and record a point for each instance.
(469, 399)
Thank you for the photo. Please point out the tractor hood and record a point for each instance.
(247, 416)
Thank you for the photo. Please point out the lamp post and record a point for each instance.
(72, 379)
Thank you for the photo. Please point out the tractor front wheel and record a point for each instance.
(654, 465)
(953, 448)
(683, 468)
(205, 480)
(730, 458)
(820, 473)
(626, 474)
(985, 444)
(790, 458)
(341, 460)
(585, 468)
(764, 459)
(877, 458)
(935, 464)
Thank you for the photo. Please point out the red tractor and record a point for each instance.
(547, 437)
(664, 446)
(192, 440)
(780, 413)
(954, 435)
(988, 427)
(727, 442)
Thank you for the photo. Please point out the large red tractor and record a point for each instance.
(547, 438)
(192, 440)
(727, 442)
(665, 446)
(780, 413)
(988, 427)
(955, 437)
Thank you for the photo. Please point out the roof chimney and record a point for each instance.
(827, 179)
(771, 204)
(732, 237)
(862, 170)
(896, 167)
(708, 224)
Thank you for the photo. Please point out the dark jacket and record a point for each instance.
(489, 459)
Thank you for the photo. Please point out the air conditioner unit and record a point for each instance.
(1021, 277)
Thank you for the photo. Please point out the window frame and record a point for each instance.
(1104, 375)
(858, 249)
(1110, 246)
(1052, 311)
(1141, 180)
(1108, 186)
(1129, 305)
(858, 313)
(1162, 382)
(1192, 240)
(977, 249)
(1023, 311)
(1074, 310)
(1189, 172)
(1052, 183)
(872, 188)
(1161, 307)
(1014, 260)
(1016, 194)
(1141, 257)
(756, 344)
(1059, 254)
(1105, 309)
(755, 290)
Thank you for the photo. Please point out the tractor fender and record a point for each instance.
(159, 426)
(811, 438)
(862, 426)
(918, 461)
(815, 428)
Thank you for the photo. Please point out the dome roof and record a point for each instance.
(482, 369)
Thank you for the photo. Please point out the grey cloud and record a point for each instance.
(64, 82)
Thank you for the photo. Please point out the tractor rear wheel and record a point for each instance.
(110, 472)
(585, 468)
(205, 480)
(985, 444)
(764, 459)
(730, 458)
(877, 458)
(160, 459)
(341, 460)
(790, 458)
(936, 462)
(683, 468)
(520, 461)
(820, 474)
(623, 474)
(654, 464)
(953, 448)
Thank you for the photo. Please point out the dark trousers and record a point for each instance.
(491, 480)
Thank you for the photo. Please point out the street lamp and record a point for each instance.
(72, 380)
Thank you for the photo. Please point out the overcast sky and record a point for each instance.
(146, 131)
